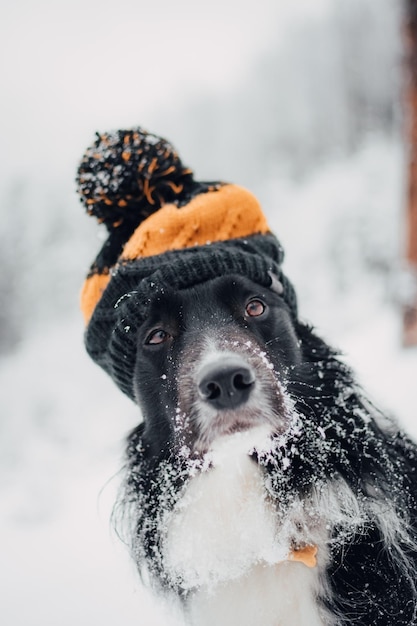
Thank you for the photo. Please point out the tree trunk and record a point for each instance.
(410, 303)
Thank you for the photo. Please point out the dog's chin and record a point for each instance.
(227, 423)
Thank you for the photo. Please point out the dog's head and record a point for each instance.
(167, 234)
(207, 361)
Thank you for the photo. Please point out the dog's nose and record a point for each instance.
(227, 383)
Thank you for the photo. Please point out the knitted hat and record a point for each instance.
(164, 229)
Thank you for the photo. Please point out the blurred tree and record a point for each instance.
(12, 254)
(410, 304)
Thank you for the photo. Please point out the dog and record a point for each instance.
(257, 445)
(261, 485)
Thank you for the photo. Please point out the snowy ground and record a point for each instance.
(63, 422)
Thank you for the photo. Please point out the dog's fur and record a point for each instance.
(217, 495)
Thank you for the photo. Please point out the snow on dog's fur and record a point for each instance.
(256, 443)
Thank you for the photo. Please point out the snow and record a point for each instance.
(60, 457)
(230, 496)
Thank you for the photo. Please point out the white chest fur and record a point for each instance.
(280, 595)
(223, 543)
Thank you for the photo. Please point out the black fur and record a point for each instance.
(341, 436)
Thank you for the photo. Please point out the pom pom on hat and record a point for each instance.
(127, 175)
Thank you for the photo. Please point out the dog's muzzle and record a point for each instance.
(226, 384)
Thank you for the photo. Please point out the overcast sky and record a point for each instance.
(71, 67)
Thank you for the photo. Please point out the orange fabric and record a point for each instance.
(306, 555)
(228, 213)
(91, 293)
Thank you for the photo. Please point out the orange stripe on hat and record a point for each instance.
(91, 292)
(229, 213)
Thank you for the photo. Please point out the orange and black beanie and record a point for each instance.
(164, 229)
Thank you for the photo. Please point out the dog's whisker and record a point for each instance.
(270, 341)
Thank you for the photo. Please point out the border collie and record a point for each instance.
(262, 487)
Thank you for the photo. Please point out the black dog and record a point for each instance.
(256, 449)
(262, 487)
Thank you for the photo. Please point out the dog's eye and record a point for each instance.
(255, 308)
(157, 337)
